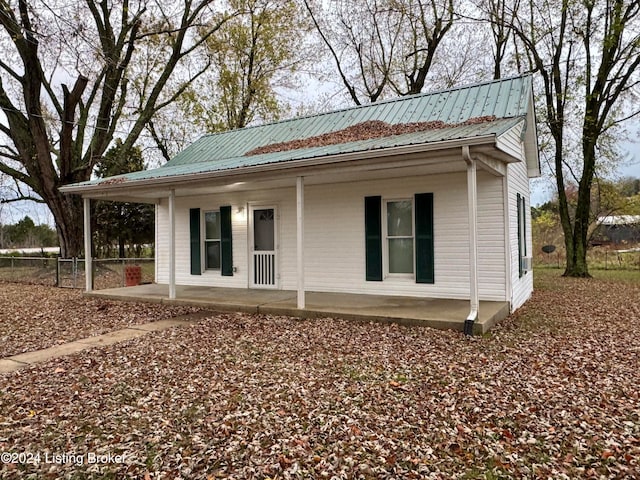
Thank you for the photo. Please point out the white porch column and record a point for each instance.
(472, 200)
(172, 244)
(300, 239)
(88, 264)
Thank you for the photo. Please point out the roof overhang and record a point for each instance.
(150, 190)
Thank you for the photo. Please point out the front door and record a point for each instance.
(263, 253)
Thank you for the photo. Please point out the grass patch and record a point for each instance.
(549, 278)
(625, 276)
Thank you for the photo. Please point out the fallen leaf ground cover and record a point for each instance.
(33, 317)
(552, 392)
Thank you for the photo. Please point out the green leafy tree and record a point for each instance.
(122, 223)
(45, 236)
(253, 54)
(254, 57)
(633, 205)
(21, 233)
(26, 234)
(629, 189)
(629, 186)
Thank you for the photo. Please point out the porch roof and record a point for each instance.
(504, 105)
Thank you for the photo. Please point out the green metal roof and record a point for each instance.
(506, 100)
(502, 99)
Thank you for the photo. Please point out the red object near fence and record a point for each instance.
(132, 275)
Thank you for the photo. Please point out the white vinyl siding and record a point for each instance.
(492, 268)
(283, 198)
(334, 237)
(342, 207)
(518, 183)
(510, 141)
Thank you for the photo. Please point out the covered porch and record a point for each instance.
(436, 313)
(297, 298)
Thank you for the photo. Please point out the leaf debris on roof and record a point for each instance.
(364, 131)
(114, 181)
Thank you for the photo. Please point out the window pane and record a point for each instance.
(212, 225)
(213, 255)
(400, 255)
(263, 230)
(399, 221)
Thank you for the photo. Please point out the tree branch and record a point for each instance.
(71, 100)
(347, 84)
(11, 71)
(10, 154)
(161, 145)
(20, 176)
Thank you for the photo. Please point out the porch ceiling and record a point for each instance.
(430, 312)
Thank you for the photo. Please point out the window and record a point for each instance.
(400, 236)
(216, 244)
(212, 240)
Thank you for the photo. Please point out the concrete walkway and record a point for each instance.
(15, 362)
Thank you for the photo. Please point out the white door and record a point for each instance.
(263, 248)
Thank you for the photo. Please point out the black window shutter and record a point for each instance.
(520, 246)
(373, 238)
(226, 241)
(194, 229)
(424, 238)
(524, 226)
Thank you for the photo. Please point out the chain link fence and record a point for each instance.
(37, 270)
(597, 259)
(70, 272)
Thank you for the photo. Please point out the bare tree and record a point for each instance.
(362, 38)
(593, 47)
(426, 23)
(122, 60)
(383, 45)
(500, 15)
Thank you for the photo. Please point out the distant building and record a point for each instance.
(619, 228)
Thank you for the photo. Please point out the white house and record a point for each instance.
(420, 196)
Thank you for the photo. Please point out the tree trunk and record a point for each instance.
(578, 266)
(68, 214)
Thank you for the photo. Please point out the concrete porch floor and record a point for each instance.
(435, 313)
